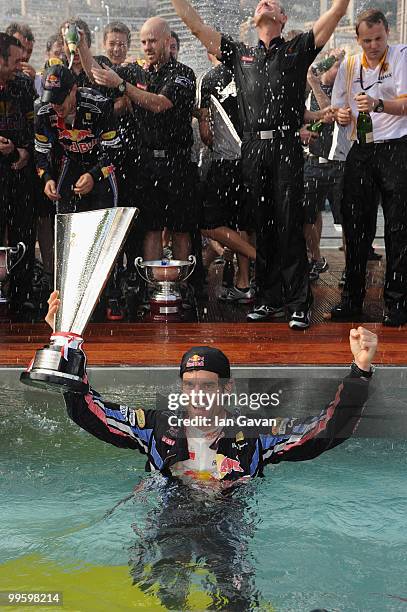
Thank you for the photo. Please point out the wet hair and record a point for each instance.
(371, 17)
(20, 28)
(7, 41)
(82, 25)
(175, 35)
(119, 28)
(52, 40)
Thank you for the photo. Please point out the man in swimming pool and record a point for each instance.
(205, 441)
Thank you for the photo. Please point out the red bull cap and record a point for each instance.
(58, 82)
(205, 358)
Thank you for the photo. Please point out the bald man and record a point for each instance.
(162, 98)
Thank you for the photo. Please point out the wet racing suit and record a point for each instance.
(91, 146)
(235, 452)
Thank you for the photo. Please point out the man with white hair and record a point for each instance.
(270, 80)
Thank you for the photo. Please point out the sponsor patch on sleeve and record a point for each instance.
(141, 418)
(41, 138)
(107, 170)
(183, 81)
(109, 135)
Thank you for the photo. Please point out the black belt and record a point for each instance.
(369, 144)
(271, 134)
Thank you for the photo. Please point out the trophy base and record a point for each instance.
(169, 312)
(54, 371)
(56, 382)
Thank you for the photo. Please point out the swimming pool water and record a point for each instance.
(328, 533)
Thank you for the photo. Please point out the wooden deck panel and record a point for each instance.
(154, 344)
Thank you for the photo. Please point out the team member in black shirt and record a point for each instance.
(16, 197)
(163, 99)
(223, 195)
(270, 81)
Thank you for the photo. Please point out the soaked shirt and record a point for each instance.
(270, 81)
(218, 85)
(238, 452)
(201, 463)
(170, 130)
(92, 141)
(16, 115)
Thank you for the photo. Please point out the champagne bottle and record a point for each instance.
(316, 126)
(72, 37)
(324, 65)
(364, 127)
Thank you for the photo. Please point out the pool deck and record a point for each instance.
(224, 325)
(152, 344)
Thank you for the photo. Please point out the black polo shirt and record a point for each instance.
(219, 82)
(270, 82)
(170, 130)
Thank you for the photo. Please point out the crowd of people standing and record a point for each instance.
(100, 131)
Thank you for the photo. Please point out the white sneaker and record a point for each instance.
(300, 320)
(234, 294)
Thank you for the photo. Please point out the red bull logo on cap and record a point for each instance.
(196, 361)
(52, 81)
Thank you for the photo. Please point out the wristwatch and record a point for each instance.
(122, 87)
(358, 372)
(379, 106)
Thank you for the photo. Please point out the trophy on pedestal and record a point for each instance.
(86, 247)
(165, 275)
(9, 258)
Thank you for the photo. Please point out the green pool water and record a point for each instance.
(81, 517)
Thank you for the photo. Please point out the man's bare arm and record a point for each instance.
(156, 103)
(205, 130)
(209, 37)
(326, 24)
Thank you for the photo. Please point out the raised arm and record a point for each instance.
(326, 24)
(115, 424)
(308, 438)
(209, 37)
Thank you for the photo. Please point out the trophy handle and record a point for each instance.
(192, 259)
(137, 262)
(14, 251)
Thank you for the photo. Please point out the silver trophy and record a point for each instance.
(9, 258)
(165, 275)
(86, 247)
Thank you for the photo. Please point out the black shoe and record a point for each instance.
(346, 310)
(300, 320)
(373, 256)
(317, 267)
(263, 312)
(395, 317)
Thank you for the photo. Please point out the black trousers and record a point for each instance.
(17, 221)
(273, 171)
(372, 170)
